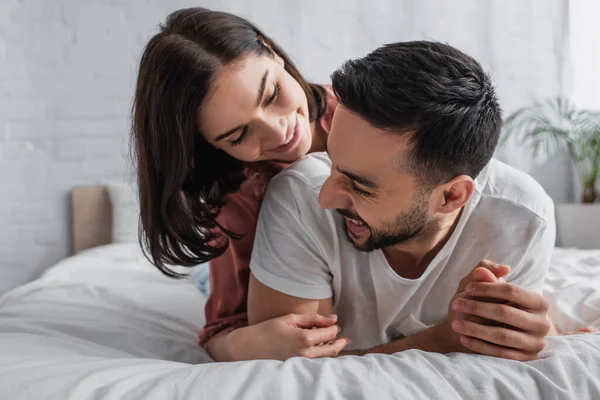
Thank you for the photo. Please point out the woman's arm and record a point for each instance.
(226, 307)
(292, 335)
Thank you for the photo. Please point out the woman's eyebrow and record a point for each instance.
(261, 93)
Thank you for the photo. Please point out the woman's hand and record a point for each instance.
(293, 335)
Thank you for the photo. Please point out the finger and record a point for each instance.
(499, 270)
(500, 336)
(489, 349)
(472, 318)
(479, 273)
(326, 350)
(503, 313)
(465, 281)
(510, 292)
(313, 337)
(311, 320)
(467, 295)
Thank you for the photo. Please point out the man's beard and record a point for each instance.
(404, 227)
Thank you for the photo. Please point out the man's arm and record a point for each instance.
(512, 317)
(265, 303)
(289, 271)
(486, 321)
(441, 338)
(492, 310)
(435, 339)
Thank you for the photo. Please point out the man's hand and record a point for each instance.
(492, 327)
(441, 338)
(512, 320)
(485, 271)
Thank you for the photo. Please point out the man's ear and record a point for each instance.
(455, 193)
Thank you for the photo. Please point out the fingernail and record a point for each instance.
(464, 340)
(457, 325)
(470, 288)
(339, 330)
(348, 340)
(332, 316)
(456, 305)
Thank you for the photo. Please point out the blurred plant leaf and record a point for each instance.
(554, 124)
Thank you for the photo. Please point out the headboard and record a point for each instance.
(92, 217)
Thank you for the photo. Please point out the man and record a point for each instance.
(411, 202)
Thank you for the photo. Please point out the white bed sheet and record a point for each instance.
(106, 325)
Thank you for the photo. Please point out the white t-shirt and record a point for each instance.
(301, 250)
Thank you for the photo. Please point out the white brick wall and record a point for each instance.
(67, 69)
(585, 53)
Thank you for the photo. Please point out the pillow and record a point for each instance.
(200, 277)
(126, 211)
(126, 217)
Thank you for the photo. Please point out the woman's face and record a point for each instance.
(257, 111)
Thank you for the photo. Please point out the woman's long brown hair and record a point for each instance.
(183, 179)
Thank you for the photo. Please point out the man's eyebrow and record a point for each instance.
(359, 179)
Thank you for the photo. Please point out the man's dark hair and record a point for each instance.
(433, 91)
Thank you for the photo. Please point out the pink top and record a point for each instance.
(226, 308)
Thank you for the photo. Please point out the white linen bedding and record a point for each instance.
(106, 325)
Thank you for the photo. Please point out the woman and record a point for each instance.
(219, 110)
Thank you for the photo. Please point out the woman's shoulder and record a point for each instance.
(241, 208)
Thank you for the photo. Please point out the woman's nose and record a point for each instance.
(275, 132)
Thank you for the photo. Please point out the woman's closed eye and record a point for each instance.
(270, 100)
(274, 96)
(241, 137)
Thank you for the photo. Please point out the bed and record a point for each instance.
(105, 324)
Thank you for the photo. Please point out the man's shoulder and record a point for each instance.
(292, 197)
(297, 188)
(304, 177)
(514, 190)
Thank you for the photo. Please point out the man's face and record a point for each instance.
(382, 203)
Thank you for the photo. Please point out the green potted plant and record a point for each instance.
(549, 126)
